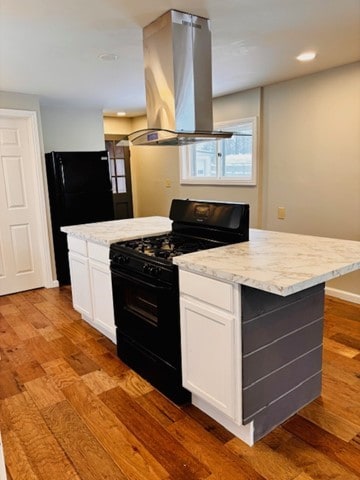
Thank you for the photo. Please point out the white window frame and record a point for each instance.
(185, 160)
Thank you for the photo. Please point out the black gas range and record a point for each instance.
(146, 292)
(151, 257)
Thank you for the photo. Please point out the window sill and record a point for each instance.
(210, 181)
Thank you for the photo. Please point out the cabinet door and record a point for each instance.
(80, 284)
(103, 310)
(207, 348)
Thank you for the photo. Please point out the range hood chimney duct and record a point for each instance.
(178, 80)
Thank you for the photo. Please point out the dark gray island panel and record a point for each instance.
(277, 412)
(281, 354)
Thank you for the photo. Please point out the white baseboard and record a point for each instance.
(343, 294)
(52, 284)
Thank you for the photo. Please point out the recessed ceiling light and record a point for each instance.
(121, 114)
(108, 57)
(306, 56)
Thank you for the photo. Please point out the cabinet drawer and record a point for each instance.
(77, 245)
(99, 252)
(213, 292)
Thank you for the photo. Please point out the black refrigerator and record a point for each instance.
(79, 192)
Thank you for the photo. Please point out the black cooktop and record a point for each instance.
(197, 225)
(169, 245)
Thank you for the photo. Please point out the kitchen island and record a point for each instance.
(251, 316)
(251, 326)
(89, 246)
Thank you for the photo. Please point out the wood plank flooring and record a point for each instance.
(70, 409)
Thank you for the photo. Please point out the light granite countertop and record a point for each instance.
(106, 233)
(276, 262)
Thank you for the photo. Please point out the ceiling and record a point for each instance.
(51, 48)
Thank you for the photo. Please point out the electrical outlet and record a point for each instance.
(281, 213)
(168, 183)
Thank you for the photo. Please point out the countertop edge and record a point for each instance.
(86, 231)
(267, 286)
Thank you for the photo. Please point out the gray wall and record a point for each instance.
(20, 101)
(59, 129)
(153, 166)
(311, 157)
(310, 160)
(311, 132)
(72, 129)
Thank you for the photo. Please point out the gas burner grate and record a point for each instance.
(169, 246)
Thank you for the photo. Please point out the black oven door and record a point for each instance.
(147, 314)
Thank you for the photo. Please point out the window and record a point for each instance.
(230, 161)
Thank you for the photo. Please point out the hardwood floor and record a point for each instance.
(70, 409)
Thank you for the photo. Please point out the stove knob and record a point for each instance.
(155, 271)
(146, 268)
(151, 270)
(121, 259)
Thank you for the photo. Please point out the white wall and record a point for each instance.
(311, 157)
(72, 129)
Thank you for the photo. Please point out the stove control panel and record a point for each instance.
(121, 259)
(152, 270)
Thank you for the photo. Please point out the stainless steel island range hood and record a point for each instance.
(178, 80)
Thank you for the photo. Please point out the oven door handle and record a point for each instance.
(138, 281)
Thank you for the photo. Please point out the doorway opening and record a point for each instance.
(120, 173)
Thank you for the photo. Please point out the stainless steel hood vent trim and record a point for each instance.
(178, 81)
(164, 137)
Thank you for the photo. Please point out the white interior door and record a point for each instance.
(21, 259)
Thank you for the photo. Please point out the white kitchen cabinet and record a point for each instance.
(80, 284)
(91, 284)
(101, 290)
(207, 354)
(210, 342)
(250, 358)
